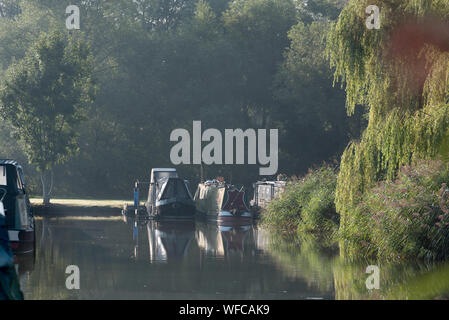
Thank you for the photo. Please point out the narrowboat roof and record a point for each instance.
(8, 161)
(157, 173)
(163, 169)
(270, 182)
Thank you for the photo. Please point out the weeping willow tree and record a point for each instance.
(400, 74)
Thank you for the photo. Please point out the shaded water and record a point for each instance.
(205, 261)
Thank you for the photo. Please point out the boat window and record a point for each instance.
(3, 176)
(158, 175)
(19, 181)
(265, 192)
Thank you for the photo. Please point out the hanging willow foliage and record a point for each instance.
(400, 73)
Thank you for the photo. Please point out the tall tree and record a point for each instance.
(401, 74)
(45, 96)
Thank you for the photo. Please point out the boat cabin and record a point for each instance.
(17, 208)
(169, 195)
(265, 191)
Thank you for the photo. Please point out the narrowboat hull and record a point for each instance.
(222, 203)
(226, 217)
(174, 209)
(168, 210)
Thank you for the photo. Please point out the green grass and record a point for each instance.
(83, 202)
(82, 218)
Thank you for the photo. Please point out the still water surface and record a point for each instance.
(195, 260)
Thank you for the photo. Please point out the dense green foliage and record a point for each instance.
(45, 97)
(305, 76)
(307, 204)
(405, 218)
(403, 83)
(160, 64)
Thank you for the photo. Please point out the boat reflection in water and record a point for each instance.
(227, 242)
(24, 265)
(169, 240)
(9, 284)
(173, 240)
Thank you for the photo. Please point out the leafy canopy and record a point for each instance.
(45, 96)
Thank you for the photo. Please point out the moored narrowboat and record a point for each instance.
(169, 197)
(264, 192)
(17, 207)
(216, 200)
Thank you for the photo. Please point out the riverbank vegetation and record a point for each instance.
(404, 218)
(391, 190)
(305, 256)
(307, 204)
(405, 88)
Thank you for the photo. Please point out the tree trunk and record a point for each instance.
(46, 190)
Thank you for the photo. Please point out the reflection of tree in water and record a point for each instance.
(306, 257)
(247, 270)
(312, 259)
(418, 280)
(426, 285)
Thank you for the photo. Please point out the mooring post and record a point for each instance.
(136, 197)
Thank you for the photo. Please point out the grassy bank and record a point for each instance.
(82, 202)
(307, 205)
(78, 207)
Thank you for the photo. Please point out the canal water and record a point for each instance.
(196, 260)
